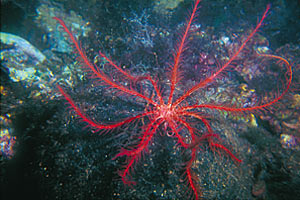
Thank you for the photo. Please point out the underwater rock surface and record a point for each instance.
(46, 153)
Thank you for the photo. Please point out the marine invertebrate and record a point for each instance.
(164, 109)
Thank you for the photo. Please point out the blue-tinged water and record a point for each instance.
(48, 152)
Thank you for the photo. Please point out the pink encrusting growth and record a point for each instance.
(166, 112)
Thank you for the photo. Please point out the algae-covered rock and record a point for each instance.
(21, 45)
(25, 63)
(44, 19)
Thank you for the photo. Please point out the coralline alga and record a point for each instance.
(171, 111)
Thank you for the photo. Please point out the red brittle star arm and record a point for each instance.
(210, 135)
(258, 107)
(98, 125)
(98, 73)
(180, 139)
(214, 75)
(191, 178)
(133, 78)
(135, 154)
(174, 75)
(190, 129)
(127, 74)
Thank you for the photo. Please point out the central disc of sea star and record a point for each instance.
(166, 112)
